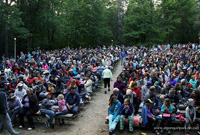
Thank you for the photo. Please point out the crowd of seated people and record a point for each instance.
(38, 81)
(160, 81)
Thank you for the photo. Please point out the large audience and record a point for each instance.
(156, 84)
(38, 81)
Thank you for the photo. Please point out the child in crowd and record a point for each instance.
(65, 89)
(126, 112)
(46, 108)
(166, 110)
(114, 114)
(62, 107)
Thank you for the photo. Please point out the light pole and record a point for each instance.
(112, 42)
(15, 48)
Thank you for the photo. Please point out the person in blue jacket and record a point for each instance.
(72, 100)
(147, 115)
(114, 114)
(123, 56)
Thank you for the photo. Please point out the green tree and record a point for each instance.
(12, 25)
(141, 23)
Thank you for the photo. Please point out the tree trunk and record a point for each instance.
(0, 33)
(6, 38)
(6, 43)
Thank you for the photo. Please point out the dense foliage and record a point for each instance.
(54, 24)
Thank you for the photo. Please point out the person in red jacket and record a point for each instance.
(136, 90)
(13, 84)
(30, 79)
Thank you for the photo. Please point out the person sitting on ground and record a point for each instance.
(126, 111)
(166, 110)
(72, 101)
(191, 116)
(118, 95)
(148, 116)
(62, 107)
(14, 107)
(30, 107)
(114, 114)
(46, 108)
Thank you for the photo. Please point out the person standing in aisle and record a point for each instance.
(107, 76)
(122, 56)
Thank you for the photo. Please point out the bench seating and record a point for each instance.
(57, 119)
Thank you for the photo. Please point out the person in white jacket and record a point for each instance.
(107, 76)
(20, 92)
(88, 84)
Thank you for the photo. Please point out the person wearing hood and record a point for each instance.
(119, 84)
(114, 114)
(191, 116)
(20, 92)
(46, 108)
